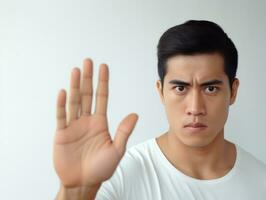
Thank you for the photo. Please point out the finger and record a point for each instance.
(123, 132)
(87, 88)
(74, 100)
(61, 110)
(102, 90)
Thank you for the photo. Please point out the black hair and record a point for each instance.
(197, 37)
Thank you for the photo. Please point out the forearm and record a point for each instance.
(81, 193)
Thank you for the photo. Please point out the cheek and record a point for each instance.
(218, 112)
(174, 108)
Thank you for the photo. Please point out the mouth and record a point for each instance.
(195, 127)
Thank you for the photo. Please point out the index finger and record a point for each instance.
(102, 90)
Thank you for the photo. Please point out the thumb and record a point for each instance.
(123, 132)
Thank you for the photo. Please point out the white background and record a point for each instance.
(40, 41)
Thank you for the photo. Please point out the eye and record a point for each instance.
(211, 89)
(180, 88)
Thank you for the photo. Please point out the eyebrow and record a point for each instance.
(183, 83)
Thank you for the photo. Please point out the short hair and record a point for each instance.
(197, 37)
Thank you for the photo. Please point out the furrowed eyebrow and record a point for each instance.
(179, 82)
(212, 82)
(183, 83)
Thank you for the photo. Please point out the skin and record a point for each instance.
(84, 153)
(202, 154)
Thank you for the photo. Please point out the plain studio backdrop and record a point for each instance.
(40, 42)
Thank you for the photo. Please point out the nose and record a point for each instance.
(196, 105)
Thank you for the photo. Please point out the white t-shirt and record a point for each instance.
(144, 173)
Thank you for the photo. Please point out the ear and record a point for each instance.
(160, 90)
(234, 90)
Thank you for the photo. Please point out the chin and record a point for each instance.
(198, 141)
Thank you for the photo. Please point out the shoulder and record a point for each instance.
(141, 148)
(251, 164)
(138, 155)
(135, 163)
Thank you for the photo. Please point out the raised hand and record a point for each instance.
(84, 152)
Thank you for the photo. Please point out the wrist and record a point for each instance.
(78, 193)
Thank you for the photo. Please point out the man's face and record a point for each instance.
(196, 90)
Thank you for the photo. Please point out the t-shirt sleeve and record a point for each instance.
(112, 188)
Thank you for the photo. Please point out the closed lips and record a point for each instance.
(195, 125)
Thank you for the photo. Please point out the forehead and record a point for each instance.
(199, 66)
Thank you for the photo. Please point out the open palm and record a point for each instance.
(84, 152)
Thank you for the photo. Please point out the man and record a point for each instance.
(197, 64)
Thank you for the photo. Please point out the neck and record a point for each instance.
(204, 162)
